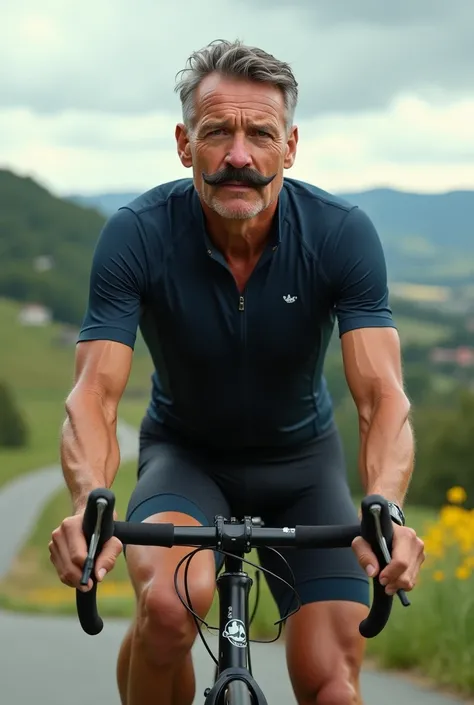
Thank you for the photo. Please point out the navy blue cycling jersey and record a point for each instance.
(237, 370)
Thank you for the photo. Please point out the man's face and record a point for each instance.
(239, 146)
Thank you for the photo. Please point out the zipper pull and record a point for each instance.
(241, 303)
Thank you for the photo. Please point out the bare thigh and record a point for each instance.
(152, 570)
(325, 652)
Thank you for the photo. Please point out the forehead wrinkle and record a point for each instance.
(241, 100)
(261, 112)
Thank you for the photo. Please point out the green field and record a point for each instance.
(40, 371)
(413, 331)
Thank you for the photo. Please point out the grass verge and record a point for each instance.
(44, 418)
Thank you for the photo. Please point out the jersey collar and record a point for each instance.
(277, 227)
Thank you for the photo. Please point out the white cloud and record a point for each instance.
(413, 146)
(386, 92)
(113, 55)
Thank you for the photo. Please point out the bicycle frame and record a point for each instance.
(233, 539)
(233, 588)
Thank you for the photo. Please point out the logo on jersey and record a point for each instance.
(290, 299)
(235, 632)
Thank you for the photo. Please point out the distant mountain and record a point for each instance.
(106, 203)
(427, 238)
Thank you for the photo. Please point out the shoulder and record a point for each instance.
(148, 217)
(313, 213)
(307, 195)
(161, 197)
(324, 219)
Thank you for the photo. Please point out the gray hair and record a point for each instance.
(238, 60)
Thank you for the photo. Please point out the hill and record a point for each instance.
(46, 245)
(428, 238)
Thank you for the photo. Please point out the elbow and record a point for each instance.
(70, 405)
(84, 402)
(393, 401)
(400, 401)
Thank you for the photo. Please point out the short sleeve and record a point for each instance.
(117, 281)
(354, 262)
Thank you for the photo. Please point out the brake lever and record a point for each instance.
(101, 505)
(375, 510)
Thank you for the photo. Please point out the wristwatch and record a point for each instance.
(396, 514)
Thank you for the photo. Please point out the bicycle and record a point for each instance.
(233, 681)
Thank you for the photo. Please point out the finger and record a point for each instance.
(396, 569)
(407, 551)
(76, 549)
(69, 568)
(106, 560)
(76, 541)
(407, 581)
(61, 563)
(366, 557)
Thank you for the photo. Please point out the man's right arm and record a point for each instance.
(90, 454)
(118, 282)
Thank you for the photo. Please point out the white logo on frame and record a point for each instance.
(235, 632)
(290, 299)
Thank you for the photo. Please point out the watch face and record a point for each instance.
(396, 513)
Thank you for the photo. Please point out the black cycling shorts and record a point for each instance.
(285, 487)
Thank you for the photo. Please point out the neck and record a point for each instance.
(240, 239)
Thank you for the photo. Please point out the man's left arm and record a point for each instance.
(355, 265)
(372, 364)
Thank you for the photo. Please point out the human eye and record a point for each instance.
(216, 132)
(261, 133)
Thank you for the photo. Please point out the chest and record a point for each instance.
(276, 310)
(241, 271)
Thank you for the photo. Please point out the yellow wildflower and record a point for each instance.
(450, 517)
(456, 495)
(463, 572)
(438, 576)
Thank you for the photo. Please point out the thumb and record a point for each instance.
(366, 557)
(108, 556)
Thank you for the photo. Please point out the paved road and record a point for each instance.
(22, 501)
(50, 661)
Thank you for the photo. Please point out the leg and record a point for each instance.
(154, 665)
(325, 651)
(163, 632)
(323, 645)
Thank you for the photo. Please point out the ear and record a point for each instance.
(291, 144)
(183, 145)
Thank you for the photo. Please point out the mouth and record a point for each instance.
(236, 185)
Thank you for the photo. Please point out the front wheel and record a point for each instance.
(237, 693)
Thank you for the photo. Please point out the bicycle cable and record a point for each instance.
(199, 621)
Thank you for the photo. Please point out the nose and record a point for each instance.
(238, 156)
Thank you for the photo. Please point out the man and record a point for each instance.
(236, 278)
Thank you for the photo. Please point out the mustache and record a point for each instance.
(244, 176)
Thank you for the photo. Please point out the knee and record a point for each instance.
(338, 691)
(340, 686)
(165, 629)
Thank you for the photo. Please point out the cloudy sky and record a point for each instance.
(386, 89)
